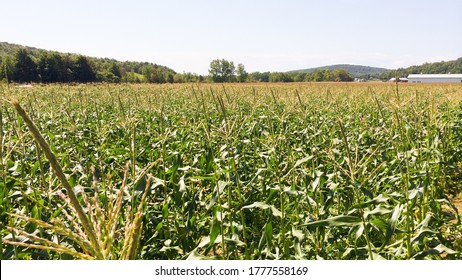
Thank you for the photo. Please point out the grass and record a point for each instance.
(301, 171)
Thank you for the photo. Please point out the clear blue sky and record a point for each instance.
(264, 35)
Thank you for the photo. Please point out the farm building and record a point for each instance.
(401, 80)
(435, 78)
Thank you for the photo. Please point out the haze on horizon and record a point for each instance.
(265, 35)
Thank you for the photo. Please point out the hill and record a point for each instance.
(51, 66)
(11, 49)
(355, 70)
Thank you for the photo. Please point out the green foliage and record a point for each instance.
(82, 70)
(272, 171)
(341, 75)
(222, 70)
(358, 71)
(25, 69)
(6, 68)
(26, 64)
(280, 77)
(36, 65)
(110, 75)
(259, 77)
(443, 67)
(242, 75)
(53, 68)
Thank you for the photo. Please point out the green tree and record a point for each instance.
(52, 68)
(178, 78)
(157, 76)
(341, 75)
(299, 77)
(106, 76)
(25, 69)
(146, 71)
(328, 77)
(82, 70)
(278, 77)
(169, 77)
(189, 77)
(222, 70)
(111, 75)
(317, 76)
(242, 75)
(115, 70)
(6, 68)
(259, 77)
(133, 77)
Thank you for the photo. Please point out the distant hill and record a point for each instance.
(11, 49)
(355, 70)
(104, 69)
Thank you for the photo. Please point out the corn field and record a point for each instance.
(251, 171)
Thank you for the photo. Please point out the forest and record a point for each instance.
(25, 64)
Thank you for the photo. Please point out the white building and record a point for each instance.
(435, 78)
(401, 80)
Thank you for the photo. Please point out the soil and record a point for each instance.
(458, 203)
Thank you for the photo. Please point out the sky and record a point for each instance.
(264, 35)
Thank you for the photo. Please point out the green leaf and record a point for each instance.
(267, 235)
(337, 221)
(15, 166)
(263, 205)
(380, 224)
(395, 216)
(434, 251)
(414, 192)
(379, 210)
(272, 193)
(214, 231)
(443, 249)
(194, 255)
(377, 256)
(421, 233)
(165, 210)
(269, 231)
(303, 160)
(216, 193)
(391, 223)
(315, 183)
(298, 234)
(359, 231)
(380, 199)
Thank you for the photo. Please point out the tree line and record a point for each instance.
(443, 67)
(222, 70)
(25, 65)
(53, 67)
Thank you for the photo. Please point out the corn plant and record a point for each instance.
(257, 171)
(94, 226)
